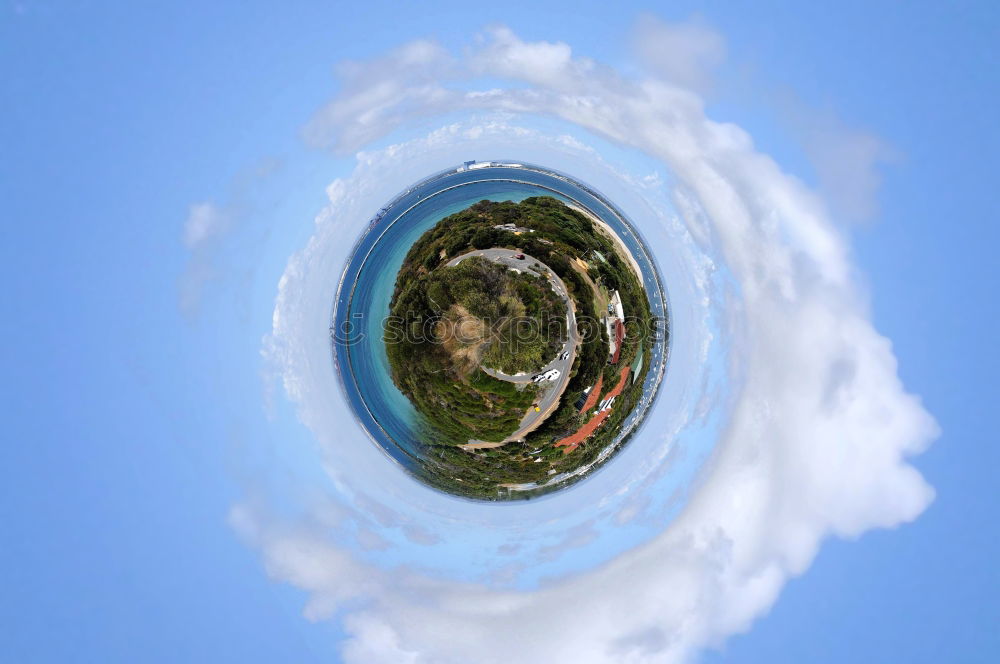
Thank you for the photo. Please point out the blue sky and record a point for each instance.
(136, 425)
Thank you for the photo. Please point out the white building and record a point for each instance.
(615, 306)
(609, 325)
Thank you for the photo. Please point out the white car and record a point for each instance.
(551, 374)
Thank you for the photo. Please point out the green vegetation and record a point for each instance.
(450, 321)
(524, 320)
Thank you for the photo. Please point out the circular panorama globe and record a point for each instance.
(500, 331)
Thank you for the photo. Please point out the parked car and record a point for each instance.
(519, 257)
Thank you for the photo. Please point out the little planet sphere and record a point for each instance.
(500, 331)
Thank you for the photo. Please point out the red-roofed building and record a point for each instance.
(619, 337)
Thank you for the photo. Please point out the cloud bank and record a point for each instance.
(810, 435)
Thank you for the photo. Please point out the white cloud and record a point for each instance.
(204, 222)
(380, 94)
(685, 54)
(206, 228)
(817, 434)
(848, 164)
(501, 53)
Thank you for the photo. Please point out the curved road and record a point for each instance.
(551, 390)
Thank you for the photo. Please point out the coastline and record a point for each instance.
(612, 235)
(358, 370)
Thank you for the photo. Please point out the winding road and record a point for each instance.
(551, 390)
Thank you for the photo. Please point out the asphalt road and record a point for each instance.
(552, 390)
